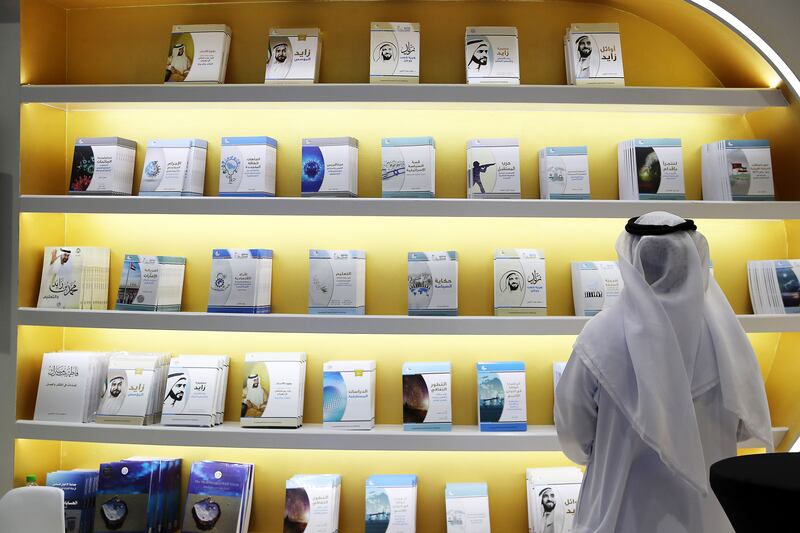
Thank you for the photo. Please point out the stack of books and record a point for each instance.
(241, 281)
(134, 389)
(564, 173)
(552, 498)
(593, 55)
(220, 497)
(774, 286)
(70, 384)
(312, 503)
(391, 504)
(737, 170)
(74, 277)
(195, 390)
(596, 285)
(651, 169)
(151, 283)
(467, 507)
(80, 488)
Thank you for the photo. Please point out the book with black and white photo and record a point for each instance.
(774, 286)
(195, 390)
(552, 498)
(651, 169)
(593, 55)
(74, 277)
(738, 171)
(134, 389)
(293, 56)
(70, 385)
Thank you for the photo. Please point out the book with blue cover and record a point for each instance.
(219, 497)
(79, 488)
(123, 502)
(501, 396)
(391, 504)
(312, 503)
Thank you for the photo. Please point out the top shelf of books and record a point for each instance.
(542, 97)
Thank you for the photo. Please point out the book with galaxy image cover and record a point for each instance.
(124, 503)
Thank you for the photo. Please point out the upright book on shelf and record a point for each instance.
(651, 169)
(348, 394)
(737, 170)
(391, 504)
(134, 389)
(394, 52)
(552, 498)
(174, 167)
(493, 168)
(195, 390)
(103, 166)
(467, 508)
(70, 385)
(312, 504)
(596, 285)
(433, 283)
(74, 277)
(79, 488)
(408, 167)
(273, 389)
(247, 166)
(241, 281)
(427, 392)
(501, 396)
(564, 173)
(337, 282)
(520, 285)
(219, 497)
(593, 55)
(774, 286)
(492, 55)
(151, 283)
(293, 55)
(198, 53)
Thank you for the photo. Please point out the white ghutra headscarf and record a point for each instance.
(683, 339)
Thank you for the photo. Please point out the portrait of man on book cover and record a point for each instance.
(478, 53)
(555, 508)
(179, 61)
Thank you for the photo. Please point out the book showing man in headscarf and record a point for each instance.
(179, 61)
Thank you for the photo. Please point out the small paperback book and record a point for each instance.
(593, 55)
(247, 166)
(564, 173)
(293, 56)
(219, 497)
(738, 170)
(80, 487)
(467, 508)
(198, 53)
(127, 497)
(433, 283)
(520, 286)
(501, 396)
(427, 391)
(103, 166)
(596, 285)
(151, 283)
(134, 389)
(70, 384)
(174, 167)
(348, 394)
(492, 55)
(337, 282)
(391, 504)
(74, 277)
(775, 286)
(493, 168)
(408, 167)
(651, 169)
(552, 498)
(195, 390)
(329, 167)
(273, 389)
(312, 504)
(165, 491)
(394, 52)
(241, 281)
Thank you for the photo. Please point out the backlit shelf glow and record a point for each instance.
(309, 437)
(369, 324)
(421, 207)
(649, 99)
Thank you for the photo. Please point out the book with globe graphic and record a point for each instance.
(774, 286)
(329, 167)
(651, 169)
(247, 166)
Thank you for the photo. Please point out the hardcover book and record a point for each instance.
(273, 389)
(293, 55)
(520, 286)
(492, 55)
(198, 53)
(103, 166)
(394, 52)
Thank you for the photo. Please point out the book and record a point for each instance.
(241, 281)
(564, 173)
(103, 166)
(219, 497)
(151, 283)
(337, 282)
(520, 285)
(552, 498)
(127, 497)
(70, 384)
(427, 397)
(492, 55)
(593, 55)
(247, 166)
(74, 277)
(493, 168)
(174, 167)
(774, 286)
(391, 504)
(133, 389)
(273, 389)
(198, 53)
(165, 493)
(738, 171)
(408, 167)
(433, 283)
(329, 167)
(293, 55)
(394, 52)
(651, 169)
(467, 508)
(80, 487)
(348, 394)
(195, 391)
(501, 396)
(312, 504)
(596, 285)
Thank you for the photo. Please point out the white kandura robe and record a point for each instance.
(659, 387)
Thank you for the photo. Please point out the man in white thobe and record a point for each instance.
(659, 386)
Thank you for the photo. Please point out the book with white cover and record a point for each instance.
(391, 504)
(492, 55)
(198, 53)
(337, 282)
(502, 404)
(70, 384)
(293, 56)
(348, 394)
(134, 384)
(774, 286)
(247, 166)
(174, 167)
(467, 508)
(408, 167)
(194, 385)
(552, 498)
(651, 169)
(564, 173)
(433, 283)
(520, 286)
(593, 54)
(493, 168)
(738, 170)
(151, 283)
(596, 285)
(241, 281)
(273, 389)
(74, 277)
(103, 166)
(394, 52)
(312, 503)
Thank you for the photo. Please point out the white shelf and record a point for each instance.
(367, 324)
(310, 437)
(641, 99)
(416, 207)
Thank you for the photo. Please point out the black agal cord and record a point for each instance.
(658, 229)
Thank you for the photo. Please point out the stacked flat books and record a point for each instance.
(593, 55)
(273, 389)
(596, 285)
(195, 390)
(80, 488)
(70, 384)
(134, 389)
(651, 169)
(552, 498)
(467, 508)
(138, 495)
(391, 504)
(737, 170)
(774, 286)
(241, 281)
(74, 277)
(564, 173)
(312, 503)
(220, 497)
(151, 283)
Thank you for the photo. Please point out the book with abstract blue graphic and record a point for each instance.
(219, 497)
(775, 286)
(348, 394)
(391, 504)
(125, 502)
(79, 488)
(501, 396)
